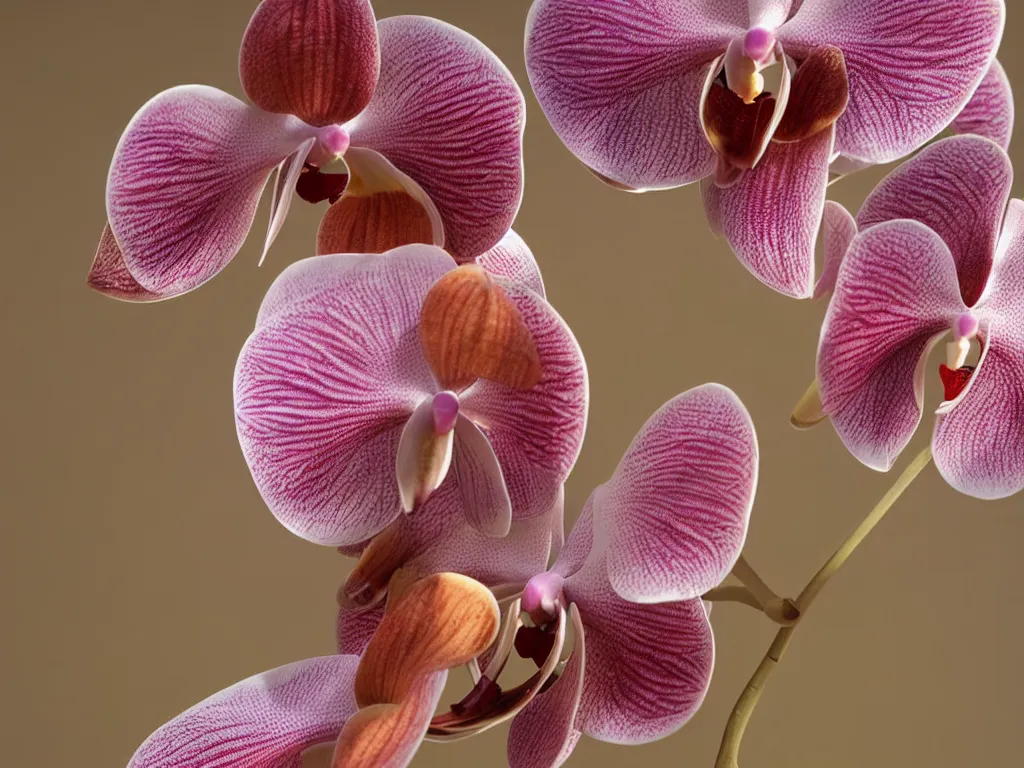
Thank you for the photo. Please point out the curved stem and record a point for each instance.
(728, 753)
(732, 593)
(745, 572)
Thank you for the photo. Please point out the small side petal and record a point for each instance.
(109, 275)
(990, 112)
(675, 512)
(284, 188)
(959, 188)
(771, 215)
(423, 457)
(621, 82)
(512, 259)
(484, 495)
(449, 114)
(263, 722)
(316, 59)
(648, 666)
(896, 294)
(838, 229)
(324, 387)
(913, 65)
(185, 181)
(544, 734)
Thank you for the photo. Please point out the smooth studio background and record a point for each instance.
(141, 571)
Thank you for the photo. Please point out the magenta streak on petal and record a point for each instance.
(512, 259)
(185, 182)
(990, 112)
(263, 722)
(284, 187)
(449, 114)
(445, 411)
(912, 65)
(481, 482)
(896, 296)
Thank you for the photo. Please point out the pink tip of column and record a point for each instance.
(334, 140)
(446, 412)
(965, 327)
(542, 596)
(758, 43)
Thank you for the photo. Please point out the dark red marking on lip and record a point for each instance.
(954, 381)
(315, 186)
(535, 644)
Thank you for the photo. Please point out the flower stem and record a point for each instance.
(728, 753)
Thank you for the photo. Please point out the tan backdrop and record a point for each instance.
(141, 572)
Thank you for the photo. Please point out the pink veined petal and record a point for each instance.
(579, 544)
(449, 114)
(979, 444)
(307, 277)
(959, 188)
(838, 230)
(844, 166)
(323, 389)
(185, 181)
(109, 275)
(484, 495)
(284, 188)
(536, 433)
(356, 626)
(648, 665)
(912, 64)
(772, 214)
(512, 259)
(896, 295)
(990, 112)
(263, 722)
(769, 13)
(620, 82)
(675, 513)
(317, 59)
(544, 734)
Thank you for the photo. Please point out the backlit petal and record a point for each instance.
(324, 387)
(990, 111)
(316, 59)
(263, 722)
(621, 82)
(771, 215)
(959, 188)
(838, 229)
(478, 473)
(109, 275)
(896, 294)
(450, 115)
(675, 512)
(769, 13)
(544, 734)
(512, 259)
(912, 64)
(648, 666)
(185, 181)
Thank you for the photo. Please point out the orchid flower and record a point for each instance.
(653, 94)
(373, 710)
(373, 382)
(930, 261)
(410, 125)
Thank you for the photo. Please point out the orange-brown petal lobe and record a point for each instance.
(379, 561)
(737, 130)
(819, 95)
(442, 621)
(470, 329)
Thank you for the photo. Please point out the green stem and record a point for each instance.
(728, 753)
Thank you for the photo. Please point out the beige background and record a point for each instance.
(141, 572)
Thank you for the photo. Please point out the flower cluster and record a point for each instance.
(409, 396)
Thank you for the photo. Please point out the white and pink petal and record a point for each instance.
(512, 259)
(990, 112)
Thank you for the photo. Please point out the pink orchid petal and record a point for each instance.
(838, 230)
(979, 444)
(307, 277)
(990, 112)
(263, 722)
(620, 82)
(648, 665)
(109, 275)
(484, 495)
(512, 259)
(896, 295)
(675, 512)
(185, 181)
(536, 433)
(844, 166)
(769, 13)
(544, 734)
(959, 188)
(912, 64)
(324, 387)
(284, 188)
(382, 209)
(579, 543)
(772, 214)
(317, 59)
(450, 115)
(418, 476)
(356, 626)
